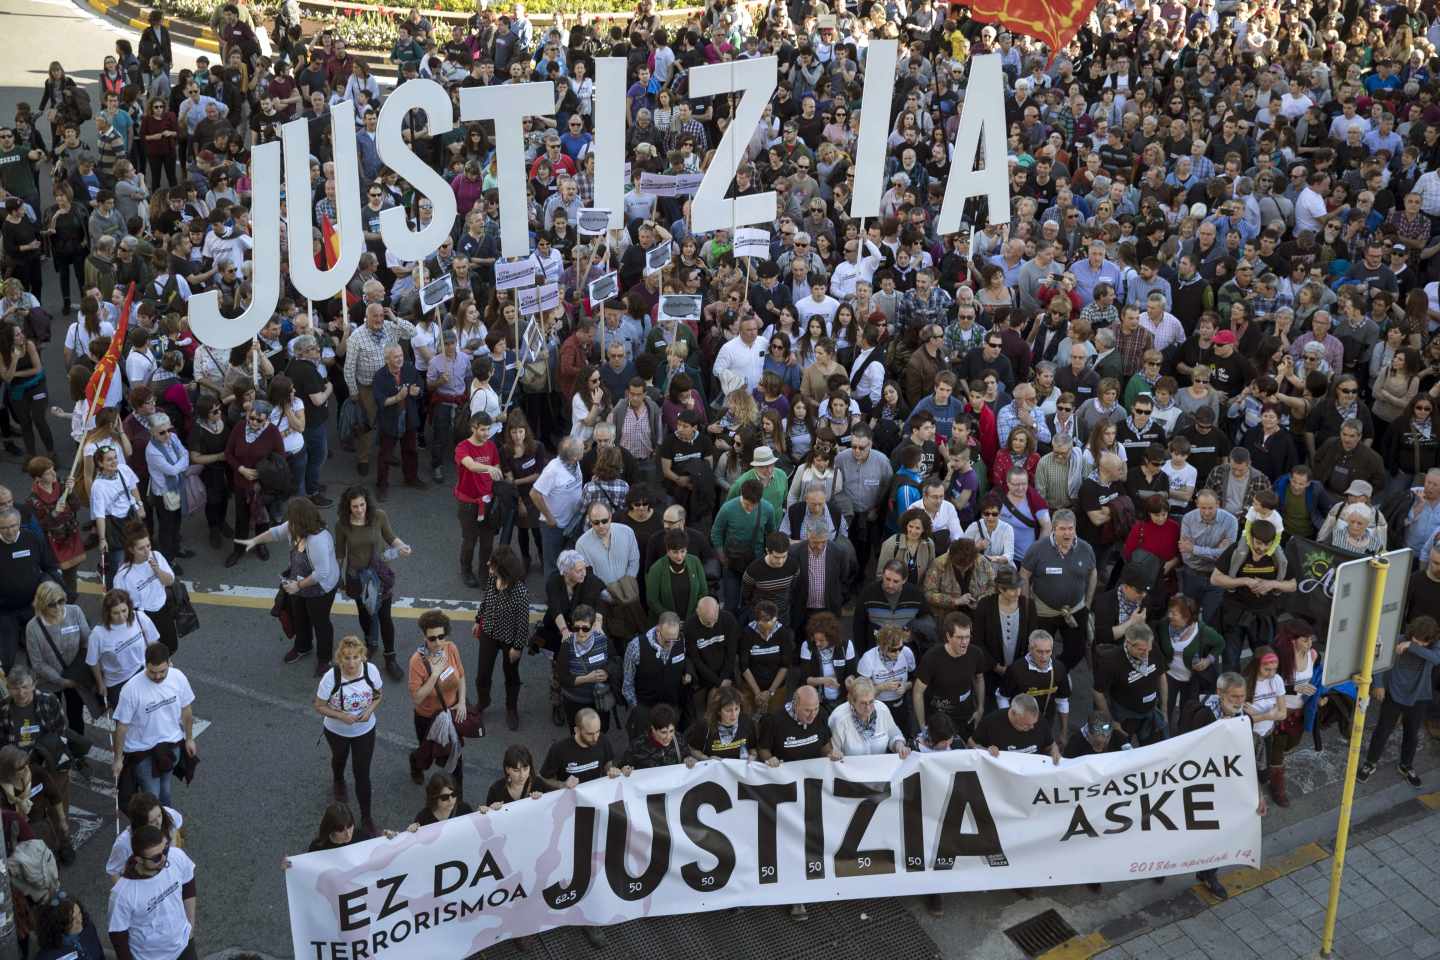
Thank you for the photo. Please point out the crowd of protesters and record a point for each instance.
(898, 489)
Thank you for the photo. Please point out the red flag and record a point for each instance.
(1053, 23)
(330, 249)
(99, 386)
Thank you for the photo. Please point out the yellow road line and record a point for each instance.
(1239, 881)
(1431, 801)
(1078, 948)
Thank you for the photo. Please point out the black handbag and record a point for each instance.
(187, 621)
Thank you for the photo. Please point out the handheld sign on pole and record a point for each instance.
(604, 288)
(752, 242)
(529, 301)
(684, 307)
(686, 184)
(514, 274)
(658, 257)
(1360, 585)
(593, 222)
(549, 297)
(1355, 580)
(436, 292)
(657, 184)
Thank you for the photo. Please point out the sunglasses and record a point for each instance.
(990, 513)
(599, 523)
(447, 795)
(437, 637)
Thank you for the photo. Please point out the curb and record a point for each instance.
(205, 41)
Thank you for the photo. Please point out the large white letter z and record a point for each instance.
(710, 209)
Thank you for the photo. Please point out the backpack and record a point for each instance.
(892, 495)
(275, 477)
(75, 104)
(338, 683)
(167, 299)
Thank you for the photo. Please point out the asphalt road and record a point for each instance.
(264, 780)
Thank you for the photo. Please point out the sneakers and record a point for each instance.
(1211, 879)
(1364, 772)
(798, 912)
(512, 718)
(321, 500)
(392, 668)
(437, 475)
(1411, 777)
(294, 655)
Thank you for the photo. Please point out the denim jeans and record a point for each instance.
(297, 462)
(146, 780)
(316, 452)
(552, 541)
(1197, 587)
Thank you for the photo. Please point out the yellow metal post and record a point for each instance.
(1381, 566)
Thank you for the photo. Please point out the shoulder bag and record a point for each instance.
(77, 671)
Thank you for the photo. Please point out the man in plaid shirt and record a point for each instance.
(364, 356)
(1131, 341)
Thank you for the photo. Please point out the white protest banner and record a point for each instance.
(658, 256)
(549, 297)
(593, 222)
(684, 307)
(605, 287)
(687, 183)
(529, 301)
(657, 184)
(734, 834)
(752, 242)
(436, 292)
(514, 274)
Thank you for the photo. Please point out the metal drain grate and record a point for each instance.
(834, 930)
(1040, 933)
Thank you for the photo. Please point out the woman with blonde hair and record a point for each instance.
(55, 640)
(347, 697)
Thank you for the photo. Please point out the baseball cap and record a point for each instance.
(1224, 337)
(1359, 488)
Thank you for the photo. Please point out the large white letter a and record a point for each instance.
(982, 113)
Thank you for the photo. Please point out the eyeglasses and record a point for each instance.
(447, 795)
(1426, 408)
(437, 637)
(582, 628)
(990, 513)
(600, 523)
(1347, 390)
(1201, 381)
(1064, 406)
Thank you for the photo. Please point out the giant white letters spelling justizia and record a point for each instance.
(982, 126)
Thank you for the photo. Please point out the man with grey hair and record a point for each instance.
(655, 670)
(1130, 684)
(1038, 675)
(1226, 703)
(1059, 573)
(364, 358)
(813, 507)
(556, 494)
(311, 378)
(1340, 461)
(826, 568)
(1016, 729)
(1058, 475)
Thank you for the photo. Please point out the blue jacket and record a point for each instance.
(1282, 489)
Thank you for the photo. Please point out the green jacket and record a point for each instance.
(775, 491)
(658, 597)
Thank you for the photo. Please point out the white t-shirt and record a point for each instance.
(1268, 691)
(151, 711)
(561, 489)
(153, 910)
(120, 650)
(121, 850)
(146, 591)
(77, 338)
(294, 440)
(873, 666)
(1180, 478)
(112, 497)
(355, 698)
(1308, 206)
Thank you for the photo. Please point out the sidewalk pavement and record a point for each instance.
(1389, 901)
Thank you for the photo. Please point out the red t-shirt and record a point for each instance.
(475, 487)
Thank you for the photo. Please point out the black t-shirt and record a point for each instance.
(995, 730)
(1093, 496)
(308, 380)
(1046, 686)
(950, 681)
(929, 456)
(1206, 450)
(1265, 568)
(740, 745)
(677, 451)
(1135, 688)
(1230, 374)
(499, 792)
(765, 657)
(568, 759)
(787, 739)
